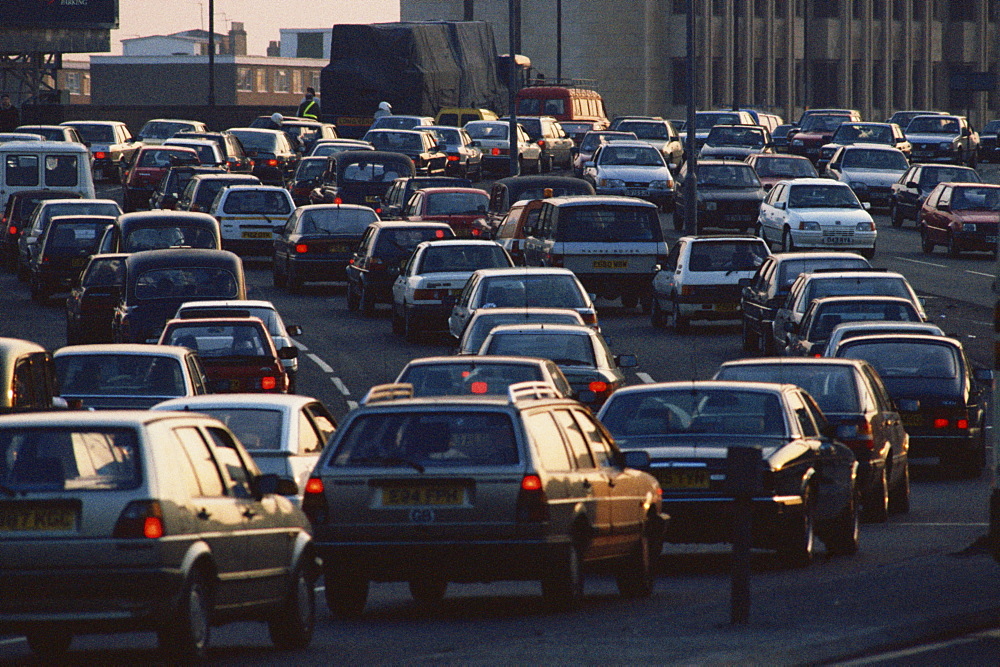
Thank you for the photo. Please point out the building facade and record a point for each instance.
(781, 56)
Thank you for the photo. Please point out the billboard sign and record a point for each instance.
(64, 14)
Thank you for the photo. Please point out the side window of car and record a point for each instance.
(599, 444)
(760, 278)
(197, 374)
(323, 421)
(201, 459)
(577, 443)
(814, 412)
(560, 381)
(365, 242)
(804, 420)
(22, 385)
(230, 461)
(470, 287)
(672, 257)
(548, 441)
(944, 197)
(309, 439)
(932, 198)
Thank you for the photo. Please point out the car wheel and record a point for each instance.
(896, 215)
(635, 578)
(410, 330)
(656, 315)
(899, 495)
(49, 643)
(72, 335)
(630, 299)
(844, 530)
(428, 591)
(877, 502)
(294, 281)
(23, 274)
(972, 466)
(397, 320)
(366, 302)
(926, 245)
(277, 278)
(953, 246)
(787, 243)
(867, 253)
(39, 294)
(974, 158)
(562, 583)
(798, 542)
(292, 628)
(758, 231)
(346, 593)
(751, 341)
(187, 634)
(678, 220)
(352, 297)
(680, 323)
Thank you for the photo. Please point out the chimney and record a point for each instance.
(237, 39)
(273, 49)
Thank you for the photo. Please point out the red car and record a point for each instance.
(815, 132)
(464, 209)
(147, 168)
(960, 216)
(775, 167)
(237, 353)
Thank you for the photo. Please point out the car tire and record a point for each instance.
(678, 322)
(630, 299)
(186, 635)
(50, 643)
(635, 578)
(293, 279)
(39, 293)
(23, 274)
(366, 303)
(428, 591)
(899, 495)
(787, 242)
(277, 278)
(291, 629)
(896, 216)
(346, 593)
(678, 219)
(562, 582)
(972, 466)
(352, 297)
(954, 250)
(410, 330)
(867, 253)
(876, 505)
(844, 531)
(546, 165)
(751, 342)
(973, 158)
(797, 544)
(656, 315)
(758, 231)
(926, 245)
(397, 320)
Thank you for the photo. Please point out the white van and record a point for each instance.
(45, 165)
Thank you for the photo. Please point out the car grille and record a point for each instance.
(636, 184)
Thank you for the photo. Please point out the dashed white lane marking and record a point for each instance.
(302, 347)
(323, 366)
(352, 405)
(12, 640)
(942, 525)
(340, 385)
(979, 273)
(645, 377)
(917, 261)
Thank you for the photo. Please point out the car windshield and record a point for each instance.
(394, 244)
(174, 283)
(636, 156)
(119, 375)
(481, 325)
(427, 439)
(74, 237)
(487, 130)
(208, 188)
(694, 411)
(259, 429)
(220, 340)
(592, 140)
(726, 256)
(310, 169)
(165, 157)
(821, 123)
(81, 207)
(933, 125)
(785, 167)
(706, 121)
(464, 379)
(335, 221)
(976, 198)
(457, 203)
(323, 150)
(104, 273)
(395, 141)
(462, 258)
(735, 136)
(156, 238)
(931, 176)
(853, 133)
(991, 127)
(96, 134)
(162, 130)
(608, 224)
(834, 387)
(263, 202)
(396, 122)
(727, 176)
(565, 349)
(820, 287)
(790, 269)
(860, 158)
(905, 359)
(527, 291)
(644, 130)
(377, 170)
(832, 314)
(563, 189)
(257, 142)
(68, 459)
(822, 196)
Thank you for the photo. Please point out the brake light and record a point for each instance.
(598, 386)
(481, 388)
(338, 201)
(962, 424)
(301, 248)
(140, 519)
(858, 435)
(314, 501)
(590, 319)
(541, 142)
(452, 158)
(477, 232)
(439, 234)
(12, 230)
(495, 151)
(100, 155)
(268, 383)
(532, 503)
(272, 163)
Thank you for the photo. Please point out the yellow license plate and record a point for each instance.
(912, 421)
(683, 478)
(371, 198)
(340, 247)
(257, 235)
(395, 496)
(725, 307)
(610, 263)
(77, 262)
(37, 518)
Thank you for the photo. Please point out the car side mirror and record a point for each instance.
(983, 376)
(588, 164)
(293, 330)
(944, 207)
(626, 361)
(913, 185)
(867, 205)
(780, 205)
(290, 352)
(475, 143)
(635, 458)
(270, 484)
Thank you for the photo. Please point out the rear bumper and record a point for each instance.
(710, 520)
(430, 316)
(946, 448)
(254, 247)
(319, 269)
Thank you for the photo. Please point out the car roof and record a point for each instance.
(860, 297)
(186, 141)
(477, 359)
(163, 215)
(255, 187)
(110, 418)
(599, 200)
(228, 303)
(695, 385)
(226, 176)
(723, 237)
(19, 346)
(851, 273)
(817, 181)
(331, 207)
(135, 349)
(544, 328)
(871, 147)
(521, 271)
(794, 361)
(168, 257)
(250, 319)
(901, 337)
(454, 190)
(397, 224)
(262, 401)
(458, 242)
(830, 254)
(486, 312)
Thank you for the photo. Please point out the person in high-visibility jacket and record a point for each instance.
(309, 106)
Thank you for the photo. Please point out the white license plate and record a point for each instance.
(710, 206)
(257, 235)
(838, 240)
(635, 192)
(736, 218)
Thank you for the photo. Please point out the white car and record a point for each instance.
(251, 216)
(109, 142)
(634, 169)
(428, 286)
(284, 433)
(491, 137)
(816, 213)
(870, 170)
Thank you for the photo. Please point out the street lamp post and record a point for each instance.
(211, 53)
(691, 182)
(736, 53)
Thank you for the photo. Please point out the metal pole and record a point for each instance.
(736, 51)
(211, 53)
(558, 42)
(691, 183)
(514, 83)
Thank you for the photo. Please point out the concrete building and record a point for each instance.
(305, 43)
(188, 43)
(876, 56)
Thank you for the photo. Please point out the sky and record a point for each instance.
(262, 19)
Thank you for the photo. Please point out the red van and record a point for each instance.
(561, 102)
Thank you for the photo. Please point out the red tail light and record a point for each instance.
(430, 294)
(598, 386)
(314, 501)
(590, 319)
(858, 434)
(301, 248)
(12, 230)
(338, 201)
(482, 388)
(532, 503)
(495, 151)
(140, 519)
(962, 424)
(100, 155)
(541, 142)
(268, 383)
(272, 163)
(452, 158)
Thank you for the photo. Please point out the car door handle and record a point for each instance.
(203, 514)
(249, 513)
(586, 483)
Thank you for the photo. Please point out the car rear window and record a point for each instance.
(207, 190)
(644, 130)
(394, 141)
(874, 159)
(929, 177)
(833, 387)
(310, 169)
(220, 340)
(709, 256)
(462, 258)
(259, 429)
(119, 375)
(75, 236)
(264, 202)
(463, 379)
(694, 411)
(608, 224)
(902, 359)
(567, 349)
(480, 326)
(487, 130)
(104, 272)
(66, 459)
(870, 286)
(527, 291)
(258, 141)
(833, 314)
(427, 438)
(336, 221)
(96, 134)
(789, 270)
(786, 167)
(373, 171)
(727, 176)
(171, 283)
(396, 243)
(457, 203)
(156, 238)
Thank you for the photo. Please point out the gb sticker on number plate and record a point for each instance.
(422, 515)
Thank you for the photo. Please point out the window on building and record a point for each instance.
(899, 10)
(800, 95)
(878, 9)
(260, 80)
(314, 79)
(74, 83)
(781, 8)
(993, 11)
(780, 78)
(858, 81)
(918, 10)
(899, 85)
(858, 9)
(827, 72)
(719, 7)
(309, 45)
(961, 10)
(282, 81)
(297, 81)
(826, 9)
(919, 100)
(720, 91)
(800, 8)
(878, 84)
(680, 6)
(760, 81)
(244, 79)
(679, 78)
(760, 8)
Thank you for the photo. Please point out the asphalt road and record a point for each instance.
(919, 576)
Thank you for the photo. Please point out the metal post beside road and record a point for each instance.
(691, 154)
(743, 481)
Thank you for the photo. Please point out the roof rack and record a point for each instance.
(520, 391)
(388, 392)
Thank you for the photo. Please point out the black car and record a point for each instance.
(361, 177)
(506, 191)
(304, 132)
(307, 176)
(91, 303)
(809, 338)
(237, 161)
(401, 189)
(155, 230)
(171, 186)
(200, 191)
(317, 243)
(989, 146)
(909, 192)
(376, 263)
(273, 154)
(64, 249)
(157, 282)
(941, 399)
(464, 159)
(765, 293)
(419, 145)
(729, 196)
(20, 206)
